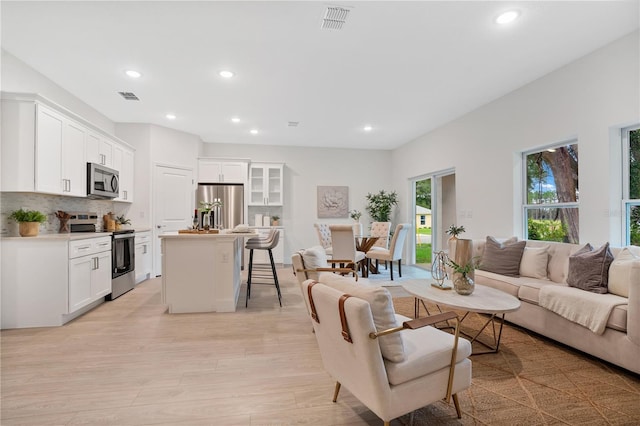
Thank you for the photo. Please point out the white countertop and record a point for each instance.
(64, 236)
(223, 234)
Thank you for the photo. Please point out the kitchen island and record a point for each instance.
(201, 272)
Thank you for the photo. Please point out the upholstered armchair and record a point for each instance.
(324, 237)
(394, 252)
(392, 364)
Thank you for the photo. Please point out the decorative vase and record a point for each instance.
(29, 229)
(463, 254)
(463, 285)
(206, 221)
(357, 229)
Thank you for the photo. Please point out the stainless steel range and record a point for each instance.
(122, 252)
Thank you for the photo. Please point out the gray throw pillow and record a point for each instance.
(502, 259)
(589, 269)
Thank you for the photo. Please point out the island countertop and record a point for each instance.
(223, 234)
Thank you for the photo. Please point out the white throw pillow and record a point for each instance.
(382, 310)
(534, 262)
(620, 273)
(314, 258)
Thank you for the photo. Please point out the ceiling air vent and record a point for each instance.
(130, 96)
(293, 123)
(334, 18)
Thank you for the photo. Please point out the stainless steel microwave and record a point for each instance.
(102, 182)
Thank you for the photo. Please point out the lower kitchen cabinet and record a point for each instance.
(50, 279)
(89, 279)
(143, 256)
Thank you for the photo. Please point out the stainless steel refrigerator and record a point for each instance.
(232, 198)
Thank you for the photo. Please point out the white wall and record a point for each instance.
(584, 99)
(363, 171)
(21, 78)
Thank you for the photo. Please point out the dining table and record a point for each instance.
(364, 243)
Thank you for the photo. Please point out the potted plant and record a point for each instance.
(462, 282)
(454, 231)
(29, 221)
(275, 220)
(379, 205)
(121, 220)
(357, 227)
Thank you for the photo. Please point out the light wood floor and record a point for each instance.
(128, 362)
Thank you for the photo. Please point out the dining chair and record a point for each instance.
(391, 364)
(343, 244)
(381, 230)
(394, 252)
(324, 237)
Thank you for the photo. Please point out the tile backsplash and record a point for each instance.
(49, 204)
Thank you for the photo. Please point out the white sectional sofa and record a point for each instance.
(619, 344)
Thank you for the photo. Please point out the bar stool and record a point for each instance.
(267, 243)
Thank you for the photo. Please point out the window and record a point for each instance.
(551, 205)
(631, 183)
(423, 220)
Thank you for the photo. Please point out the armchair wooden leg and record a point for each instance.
(336, 391)
(456, 403)
(386, 423)
(400, 267)
(391, 269)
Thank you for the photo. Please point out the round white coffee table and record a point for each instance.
(483, 300)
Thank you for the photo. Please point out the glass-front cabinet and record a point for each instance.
(265, 184)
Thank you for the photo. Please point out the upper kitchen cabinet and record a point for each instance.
(221, 171)
(60, 152)
(123, 163)
(265, 184)
(45, 148)
(99, 150)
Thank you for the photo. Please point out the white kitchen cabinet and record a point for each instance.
(74, 169)
(49, 280)
(262, 256)
(265, 184)
(45, 148)
(99, 150)
(123, 163)
(60, 154)
(143, 256)
(215, 171)
(89, 271)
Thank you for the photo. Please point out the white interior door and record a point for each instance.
(173, 197)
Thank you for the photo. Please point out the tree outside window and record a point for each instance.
(632, 148)
(551, 205)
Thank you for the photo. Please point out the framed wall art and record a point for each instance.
(333, 202)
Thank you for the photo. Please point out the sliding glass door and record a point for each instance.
(434, 206)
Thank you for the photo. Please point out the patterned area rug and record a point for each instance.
(536, 381)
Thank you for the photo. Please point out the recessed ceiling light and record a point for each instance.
(170, 116)
(253, 131)
(133, 73)
(507, 17)
(235, 119)
(226, 74)
(367, 128)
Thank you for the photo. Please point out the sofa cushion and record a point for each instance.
(530, 289)
(589, 268)
(314, 258)
(502, 259)
(534, 262)
(509, 285)
(382, 311)
(620, 273)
